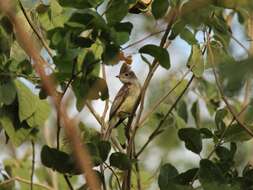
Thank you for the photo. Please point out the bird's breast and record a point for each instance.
(133, 95)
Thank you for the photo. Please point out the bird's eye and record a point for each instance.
(126, 74)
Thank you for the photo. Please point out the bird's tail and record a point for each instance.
(112, 124)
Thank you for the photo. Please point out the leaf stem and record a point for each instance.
(33, 164)
(68, 182)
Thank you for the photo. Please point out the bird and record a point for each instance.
(125, 100)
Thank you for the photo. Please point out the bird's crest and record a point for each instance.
(125, 68)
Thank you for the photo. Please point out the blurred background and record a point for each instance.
(165, 148)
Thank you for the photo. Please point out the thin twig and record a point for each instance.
(222, 93)
(26, 182)
(162, 99)
(157, 129)
(143, 39)
(113, 172)
(138, 176)
(80, 150)
(247, 93)
(68, 182)
(73, 76)
(240, 44)
(107, 100)
(33, 164)
(95, 114)
(34, 30)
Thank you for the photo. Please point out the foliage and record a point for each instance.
(87, 36)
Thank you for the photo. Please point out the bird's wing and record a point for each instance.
(118, 100)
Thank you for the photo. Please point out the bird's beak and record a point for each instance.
(117, 76)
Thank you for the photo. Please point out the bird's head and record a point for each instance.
(127, 75)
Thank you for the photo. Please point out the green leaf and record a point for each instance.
(116, 11)
(98, 89)
(180, 122)
(211, 176)
(235, 133)
(94, 152)
(182, 110)
(80, 4)
(196, 61)
(120, 161)
(110, 54)
(18, 133)
(206, 133)
(232, 78)
(159, 8)
(41, 114)
(159, 53)
(196, 113)
(219, 116)
(186, 177)
(5, 41)
(167, 173)
(225, 154)
(248, 113)
(104, 148)
(177, 27)
(87, 19)
(196, 12)
(27, 101)
(82, 42)
(122, 32)
(192, 139)
(188, 36)
(58, 160)
(7, 91)
(89, 88)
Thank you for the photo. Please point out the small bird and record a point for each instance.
(125, 100)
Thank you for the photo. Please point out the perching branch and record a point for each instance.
(127, 177)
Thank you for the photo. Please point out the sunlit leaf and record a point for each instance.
(196, 61)
(27, 101)
(7, 91)
(41, 114)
